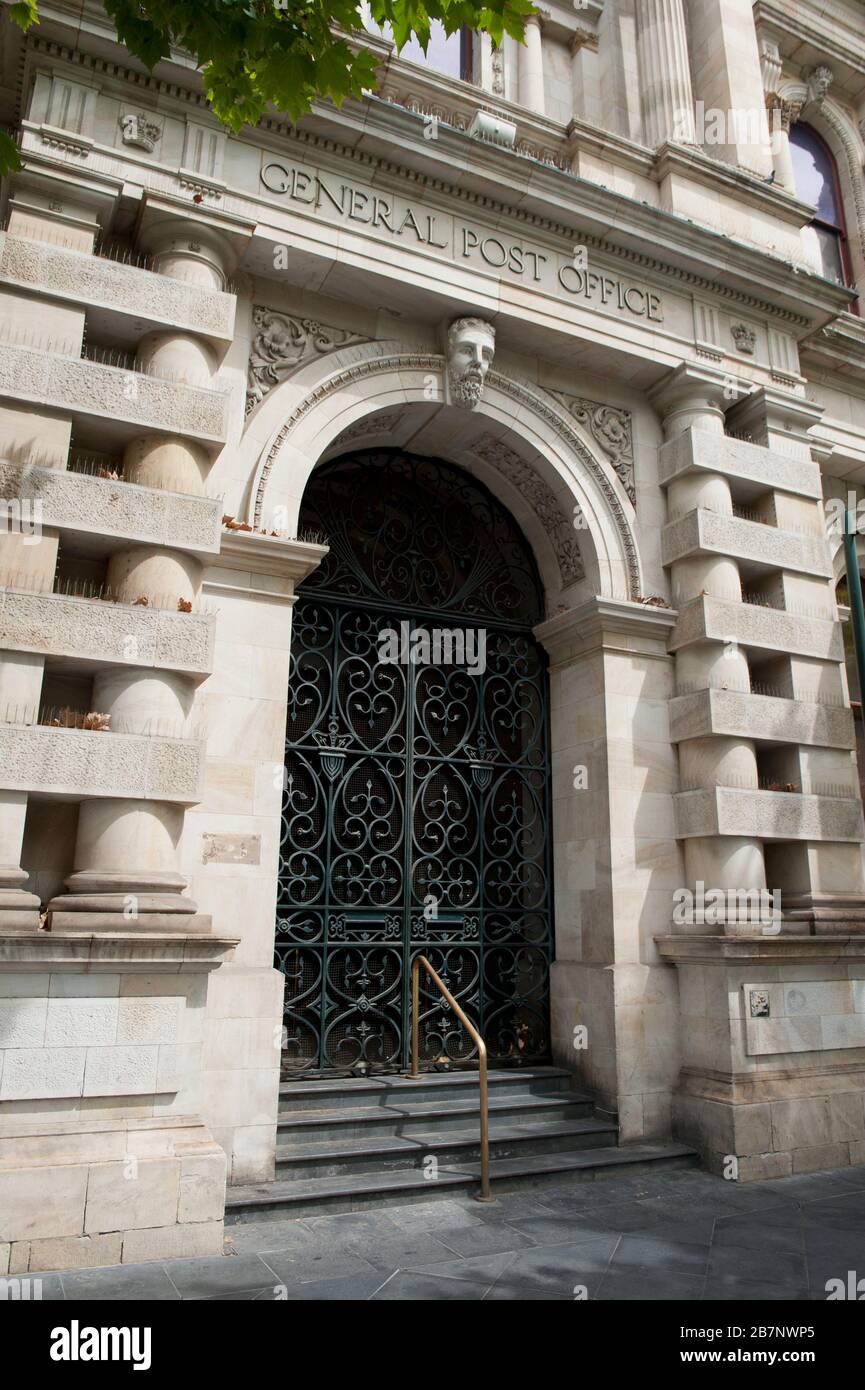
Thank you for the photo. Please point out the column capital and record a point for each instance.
(583, 38)
(693, 393)
(602, 622)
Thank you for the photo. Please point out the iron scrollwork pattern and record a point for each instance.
(417, 797)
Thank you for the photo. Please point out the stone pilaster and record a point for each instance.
(728, 81)
(666, 97)
(585, 75)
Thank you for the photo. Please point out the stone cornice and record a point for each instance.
(590, 625)
(659, 242)
(279, 556)
(114, 952)
(795, 22)
(763, 950)
(693, 164)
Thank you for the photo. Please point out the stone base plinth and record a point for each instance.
(84, 1193)
(773, 1051)
(825, 914)
(104, 1155)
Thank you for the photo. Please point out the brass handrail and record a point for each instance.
(416, 1074)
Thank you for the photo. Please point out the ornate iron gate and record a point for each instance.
(417, 795)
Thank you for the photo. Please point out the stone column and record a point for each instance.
(126, 852)
(691, 399)
(666, 98)
(531, 67)
(28, 552)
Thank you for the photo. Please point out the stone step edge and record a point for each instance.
(282, 1193)
(374, 1085)
(532, 1105)
(411, 1146)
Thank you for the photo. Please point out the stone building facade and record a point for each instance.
(586, 275)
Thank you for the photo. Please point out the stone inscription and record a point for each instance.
(464, 243)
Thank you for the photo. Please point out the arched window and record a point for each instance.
(816, 178)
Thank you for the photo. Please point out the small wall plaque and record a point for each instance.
(230, 849)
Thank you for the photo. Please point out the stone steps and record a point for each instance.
(345, 1143)
(318, 1196)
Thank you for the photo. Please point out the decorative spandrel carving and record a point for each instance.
(543, 501)
(280, 342)
(609, 427)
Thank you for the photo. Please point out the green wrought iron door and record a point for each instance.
(416, 805)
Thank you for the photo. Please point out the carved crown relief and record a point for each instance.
(138, 129)
(611, 429)
(281, 341)
(543, 501)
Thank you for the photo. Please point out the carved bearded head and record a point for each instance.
(471, 345)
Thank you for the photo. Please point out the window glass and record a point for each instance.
(444, 52)
(814, 173)
(816, 182)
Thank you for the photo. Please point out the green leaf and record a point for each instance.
(10, 159)
(24, 13)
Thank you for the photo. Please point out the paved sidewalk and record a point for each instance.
(676, 1235)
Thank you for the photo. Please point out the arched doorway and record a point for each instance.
(417, 801)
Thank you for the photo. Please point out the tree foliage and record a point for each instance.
(284, 53)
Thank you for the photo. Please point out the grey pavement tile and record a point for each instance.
(291, 1269)
(254, 1237)
(504, 1292)
(555, 1271)
(824, 1270)
(479, 1269)
(681, 1229)
(403, 1250)
(643, 1285)
(823, 1241)
(352, 1290)
(661, 1255)
(626, 1216)
(407, 1285)
(202, 1278)
(566, 1229)
(511, 1206)
(484, 1239)
(757, 1232)
(272, 1293)
(848, 1211)
(431, 1216)
(147, 1282)
(725, 1288)
(759, 1266)
(353, 1225)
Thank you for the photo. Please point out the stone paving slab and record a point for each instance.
(677, 1235)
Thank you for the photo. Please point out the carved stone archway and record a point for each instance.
(577, 497)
